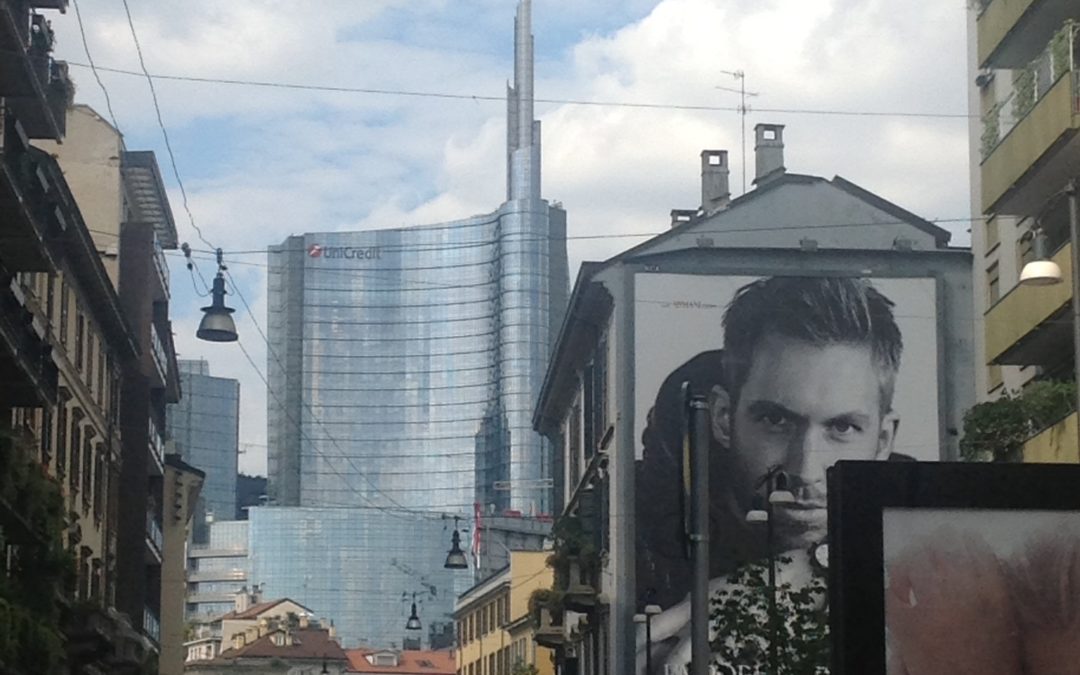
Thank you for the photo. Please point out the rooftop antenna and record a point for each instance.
(743, 110)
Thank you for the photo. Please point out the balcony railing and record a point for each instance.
(151, 625)
(217, 575)
(1030, 84)
(158, 354)
(161, 266)
(153, 532)
(157, 445)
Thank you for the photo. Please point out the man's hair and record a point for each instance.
(820, 310)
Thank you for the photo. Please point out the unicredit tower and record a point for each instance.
(406, 362)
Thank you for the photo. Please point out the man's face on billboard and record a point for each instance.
(802, 407)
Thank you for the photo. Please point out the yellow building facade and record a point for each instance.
(494, 630)
(1025, 93)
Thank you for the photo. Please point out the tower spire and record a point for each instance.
(523, 132)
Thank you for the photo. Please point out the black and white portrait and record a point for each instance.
(799, 372)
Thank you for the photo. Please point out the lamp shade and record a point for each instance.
(455, 558)
(414, 620)
(217, 323)
(1040, 273)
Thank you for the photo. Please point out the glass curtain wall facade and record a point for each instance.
(217, 570)
(204, 426)
(418, 367)
(315, 554)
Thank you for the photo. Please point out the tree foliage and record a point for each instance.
(996, 430)
(740, 621)
(522, 668)
(36, 569)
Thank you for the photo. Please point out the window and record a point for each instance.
(46, 436)
(61, 438)
(50, 300)
(993, 234)
(63, 312)
(114, 392)
(100, 481)
(573, 448)
(76, 450)
(101, 375)
(600, 390)
(90, 361)
(80, 330)
(588, 414)
(993, 283)
(1025, 252)
(87, 471)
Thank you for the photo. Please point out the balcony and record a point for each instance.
(201, 598)
(36, 87)
(238, 575)
(1055, 444)
(154, 540)
(1011, 32)
(159, 357)
(1029, 141)
(1029, 325)
(205, 551)
(151, 625)
(27, 369)
(33, 224)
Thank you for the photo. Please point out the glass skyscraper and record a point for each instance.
(204, 426)
(405, 363)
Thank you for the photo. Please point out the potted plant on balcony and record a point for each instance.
(997, 430)
(576, 562)
(546, 611)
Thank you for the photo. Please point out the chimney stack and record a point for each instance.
(715, 194)
(768, 152)
(682, 216)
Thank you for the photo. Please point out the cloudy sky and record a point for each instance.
(260, 163)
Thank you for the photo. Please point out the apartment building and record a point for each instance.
(495, 625)
(1025, 93)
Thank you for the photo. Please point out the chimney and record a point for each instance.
(682, 216)
(715, 194)
(768, 152)
(241, 600)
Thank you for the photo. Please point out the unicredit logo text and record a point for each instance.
(347, 252)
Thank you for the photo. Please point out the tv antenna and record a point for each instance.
(743, 110)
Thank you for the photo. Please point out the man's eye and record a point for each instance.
(844, 428)
(774, 420)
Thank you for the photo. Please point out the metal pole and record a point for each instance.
(648, 644)
(773, 632)
(1074, 239)
(700, 655)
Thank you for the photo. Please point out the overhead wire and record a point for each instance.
(502, 99)
(161, 124)
(199, 232)
(93, 67)
(270, 390)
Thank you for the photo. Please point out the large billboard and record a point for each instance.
(799, 372)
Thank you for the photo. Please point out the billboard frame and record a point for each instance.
(860, 493)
